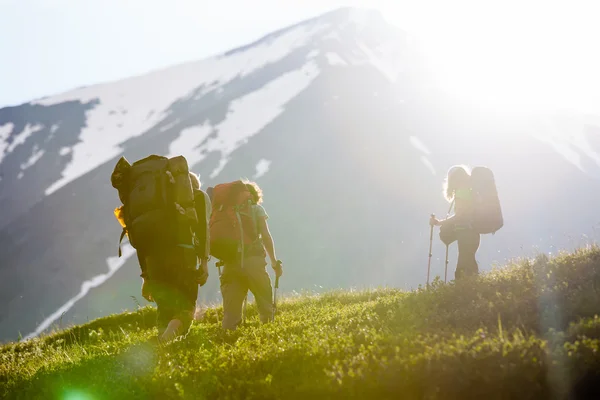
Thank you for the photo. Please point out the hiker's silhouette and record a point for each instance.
(164, 214)
(458, 227)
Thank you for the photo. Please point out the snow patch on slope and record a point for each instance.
(335, 59)
(313, 53)
(35, 157)
(188, 141)
(5, 131)
(262, 167)
(419, 145)
(114, 264)
(428, 164)
(385, 58)
(23, 136)
(107, 129)
(246, 116)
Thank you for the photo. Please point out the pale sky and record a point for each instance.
(547, 48)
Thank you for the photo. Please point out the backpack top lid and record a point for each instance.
(149, 158)
(120, 173)
(230, 194)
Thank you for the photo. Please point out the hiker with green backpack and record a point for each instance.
(476, 211)
(240, 239)
(165, 216)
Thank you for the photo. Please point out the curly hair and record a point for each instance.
(195, 181)
(256, 191)
(458, 177)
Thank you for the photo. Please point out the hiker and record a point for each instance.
(477, 212)
(165, 215)
(459, 227)
(242, 254)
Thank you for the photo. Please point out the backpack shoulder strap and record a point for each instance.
(451, 205)
(255, 218)
(123, 233)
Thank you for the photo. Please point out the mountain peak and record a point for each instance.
(338, 18)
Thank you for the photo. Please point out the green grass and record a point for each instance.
(526, 331)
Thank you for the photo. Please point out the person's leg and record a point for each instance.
(259, 284)
(474, 241)
(164, 308)
(183, 306)
(185, 292)
(178, 292)
(234, 287)
(468, 244)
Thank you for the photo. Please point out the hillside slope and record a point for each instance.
(528, 331)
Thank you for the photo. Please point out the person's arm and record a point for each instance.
(458, 212)
(269, 244)
(145, 290)
(208, 212)
(205, 253)
(201, 231)
(263, 229)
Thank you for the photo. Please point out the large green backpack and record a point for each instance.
(158, 201)
(486, 203)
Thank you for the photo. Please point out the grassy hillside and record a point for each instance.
(527, 331)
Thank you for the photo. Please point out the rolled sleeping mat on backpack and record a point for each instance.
(182, 192)
(120, 177)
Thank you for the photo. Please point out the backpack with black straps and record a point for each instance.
(158, 201)
(233, 228)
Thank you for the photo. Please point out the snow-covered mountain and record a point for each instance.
(339, 120)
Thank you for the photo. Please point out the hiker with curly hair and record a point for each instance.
(246, 270)
(459, 227)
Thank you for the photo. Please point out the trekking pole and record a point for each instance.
(446, 269)
(279, 263)
(446, 264)
(430, 248)
(275, 297)
(245, 308)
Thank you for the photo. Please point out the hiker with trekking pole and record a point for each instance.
(474, 197)
(241, 240)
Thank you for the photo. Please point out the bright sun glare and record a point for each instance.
(519, 57)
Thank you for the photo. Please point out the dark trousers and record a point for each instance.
(172, 283)
(468, 244)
